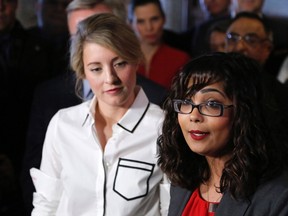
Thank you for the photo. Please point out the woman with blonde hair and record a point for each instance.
(96, 159)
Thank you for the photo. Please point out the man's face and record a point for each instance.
(76, 16)
(51, 15)
(217, 41)
(7, 14)
(250, 5)
(217, 7)
(247, 36)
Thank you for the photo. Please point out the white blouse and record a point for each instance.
(77, 178)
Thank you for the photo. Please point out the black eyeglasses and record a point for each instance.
(209, 108)
(250, 39)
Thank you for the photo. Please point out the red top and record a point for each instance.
(165, 64)
(197, 206)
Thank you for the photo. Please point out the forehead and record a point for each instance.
(219, 86)
(94, 52)
(247, 25)
(250, 3)
(146, 10)
(81, 14)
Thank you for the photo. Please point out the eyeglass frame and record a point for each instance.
(222, 107)
(245, 38)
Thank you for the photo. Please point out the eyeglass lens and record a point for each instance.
(250, 39)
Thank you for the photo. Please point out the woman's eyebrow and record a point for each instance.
(99, 63)
(115, 59)
(206, 90)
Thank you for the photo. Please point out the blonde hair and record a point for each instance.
(108, 31)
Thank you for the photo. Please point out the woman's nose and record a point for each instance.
(148, 26)
(195, 115)
(111, 76)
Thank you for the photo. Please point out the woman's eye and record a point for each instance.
(96, 69)
(120, 64)
(212, 104)
(156, 19)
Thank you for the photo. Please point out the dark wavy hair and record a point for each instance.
(254, 156)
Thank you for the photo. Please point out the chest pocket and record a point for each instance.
(132, 178)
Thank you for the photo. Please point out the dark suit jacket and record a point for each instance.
(49, 97)
(26, 59)
(270, 199)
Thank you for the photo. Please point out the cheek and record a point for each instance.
(159, 25)
(265, 51)
(128, 77)
(221, 125)
(259, 54)
(228, 48)
(139, 28)
(94, 81)
(221, 129)
(184, 122)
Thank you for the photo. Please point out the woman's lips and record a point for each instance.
(113, 90)
(150, 37)
(198, 135)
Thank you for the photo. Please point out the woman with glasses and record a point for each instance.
(215, 147)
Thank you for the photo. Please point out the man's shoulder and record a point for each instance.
(58, 92)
